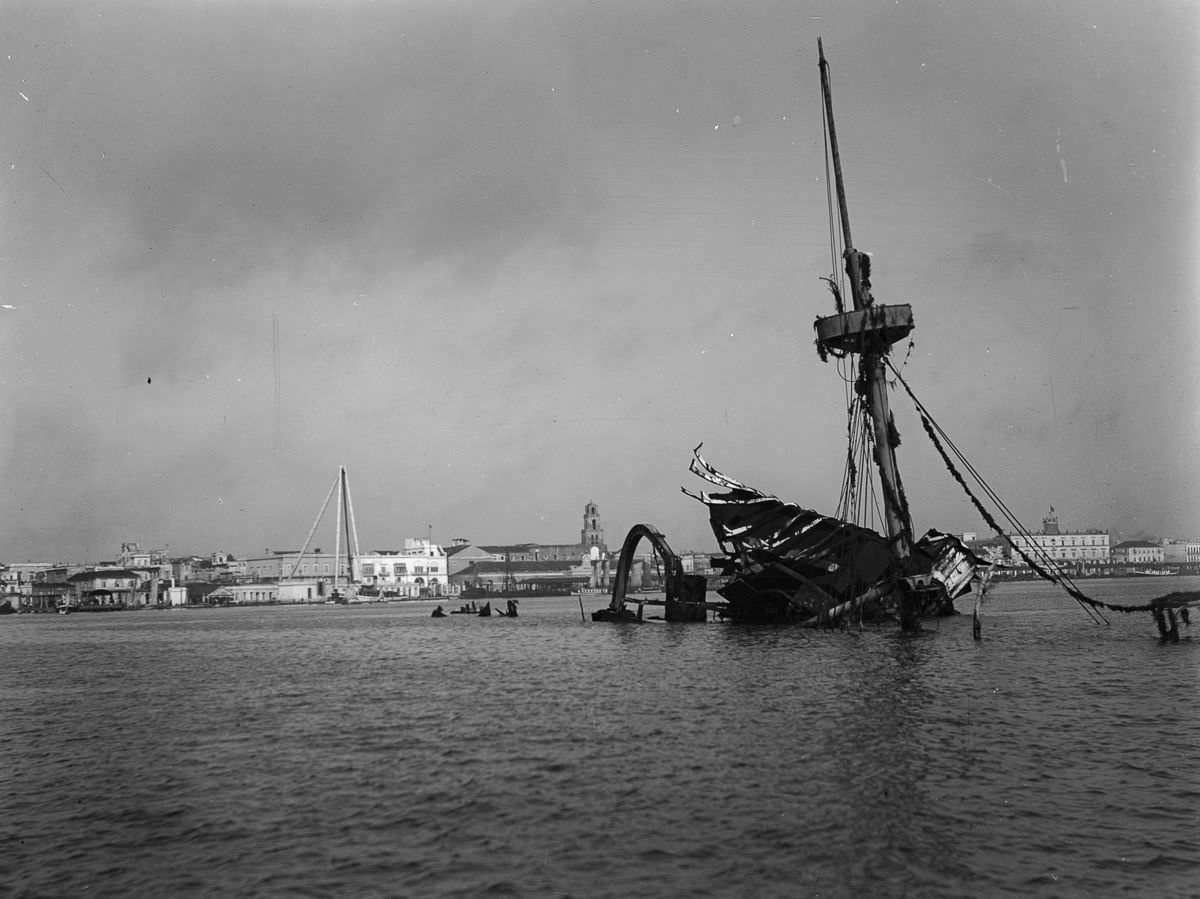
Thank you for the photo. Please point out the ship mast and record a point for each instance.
(352, 549)
(868, 330)
(345, 522)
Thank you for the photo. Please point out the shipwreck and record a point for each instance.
(783, 563)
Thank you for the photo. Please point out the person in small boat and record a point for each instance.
(438, 613)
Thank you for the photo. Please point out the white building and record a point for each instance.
(291, 593)
(1071, 546)
(1137, 552)
(417, 570)
(420, 569)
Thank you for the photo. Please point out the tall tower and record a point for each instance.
(1050, 523)
(592, 534)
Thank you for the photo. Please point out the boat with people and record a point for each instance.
(483, 611)
(782, 562)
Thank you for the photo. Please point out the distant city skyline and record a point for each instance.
(613, 542)
(502, 258)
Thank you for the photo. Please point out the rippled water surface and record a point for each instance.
(375, 751)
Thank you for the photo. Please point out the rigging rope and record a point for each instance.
(1088, 603)
(932, 429)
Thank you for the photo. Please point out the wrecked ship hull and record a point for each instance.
(783, 563)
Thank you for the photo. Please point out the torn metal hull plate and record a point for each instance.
(786, 563)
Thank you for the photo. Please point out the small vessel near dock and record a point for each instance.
(1153, 572)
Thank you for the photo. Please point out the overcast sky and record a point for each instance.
(520, 256)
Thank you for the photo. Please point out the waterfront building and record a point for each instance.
(420, 569)
(534, 576)
(461, 555)
(516, 552)
(104, 586)
(417, 570)
(470, 564)
(1186, 552)
(200, 593)
(113, 588)
(590, 535)
(289, 563)
(50, 587)
(16, 582)
(1089, 546)
(249, 594)
(1137, 552)
(263, 593)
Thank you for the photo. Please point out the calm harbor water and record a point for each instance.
(374, 751)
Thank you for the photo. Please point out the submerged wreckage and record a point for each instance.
(783, 563)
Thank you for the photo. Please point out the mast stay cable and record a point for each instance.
(312, 530)
(1091, 605)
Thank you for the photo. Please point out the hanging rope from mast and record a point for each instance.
(932, 429)
(1160, 607)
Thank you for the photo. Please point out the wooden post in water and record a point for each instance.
(581, 612)
(976, 624)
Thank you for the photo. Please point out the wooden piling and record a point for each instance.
(976, 624)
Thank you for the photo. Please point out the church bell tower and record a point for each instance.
(592, 534)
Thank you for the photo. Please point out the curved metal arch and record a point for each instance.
(671, 562)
